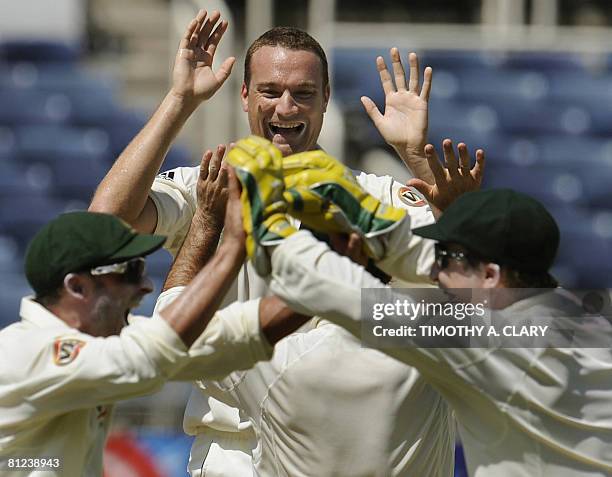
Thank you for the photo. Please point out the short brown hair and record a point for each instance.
(290, 38)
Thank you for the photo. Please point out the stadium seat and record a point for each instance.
(14, 287)
(22, 216)
(40, 51)
(542, 61)
(552, 187)
(19, 106)
(481, 85)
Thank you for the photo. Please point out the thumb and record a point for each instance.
(423, 187)
(224, 70)
(371, 109)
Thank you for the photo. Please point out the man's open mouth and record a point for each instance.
(286, 128)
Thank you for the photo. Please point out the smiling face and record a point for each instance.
(286, 98)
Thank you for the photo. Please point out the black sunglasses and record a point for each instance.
(443, 256)
(132, 270)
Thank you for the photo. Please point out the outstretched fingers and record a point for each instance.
(385, 77)
(413, 82)
(195, 34)
(206, 27)
(434, 164)
(371, 109)
(479, 167)
(205, 165)
(213, 41)
(464, 158)
(427, 77)
(449, 158)
(215, 163)
(398, 70)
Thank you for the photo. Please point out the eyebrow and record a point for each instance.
(271, 84)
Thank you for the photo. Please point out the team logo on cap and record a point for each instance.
(66, 350)
(409, 197)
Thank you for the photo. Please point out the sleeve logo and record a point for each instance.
(65, 350)
(409, 197)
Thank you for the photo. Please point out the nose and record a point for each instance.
(433, 273)
(286, 105)
(146, 285)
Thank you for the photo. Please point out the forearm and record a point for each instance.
(189, 314)
(199, 246)
(124, 190)
(277, 320)
(314, 280)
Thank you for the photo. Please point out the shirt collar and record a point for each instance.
(36, 314)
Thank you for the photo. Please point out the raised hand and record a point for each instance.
(234, 229)
(193, 78)
(404, 122)
(212, 187)
(458, 177)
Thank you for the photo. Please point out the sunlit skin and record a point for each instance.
(461, 280)
(286, 99)
(111, 300)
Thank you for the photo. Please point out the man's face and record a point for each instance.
(457, 276)
(112, 299)
(286, 99)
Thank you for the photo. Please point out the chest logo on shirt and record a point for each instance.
(168, 175)
(65, 350)
(409, 197)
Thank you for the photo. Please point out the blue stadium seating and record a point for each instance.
(40, 51)
(22, 216)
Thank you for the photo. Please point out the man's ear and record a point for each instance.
(492, 275)
(76, 286)
(326, 94)
(244, 97)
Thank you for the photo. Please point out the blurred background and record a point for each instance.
(530, 81)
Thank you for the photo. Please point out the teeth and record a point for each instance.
(286, 125)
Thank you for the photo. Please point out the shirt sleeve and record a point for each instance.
(412, 261)
(62, 369)
(314, 280)
(174, 194)
(231, 341)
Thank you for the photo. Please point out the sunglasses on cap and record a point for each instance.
(133, 270)
(443, 256)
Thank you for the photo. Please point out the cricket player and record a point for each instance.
(73, 354)
(532, 411)
(285, 94)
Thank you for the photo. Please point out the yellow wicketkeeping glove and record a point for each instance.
(258, 165)
(325, 196)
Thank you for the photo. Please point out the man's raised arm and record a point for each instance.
(124, 190)
(405, 120)
(195, 306)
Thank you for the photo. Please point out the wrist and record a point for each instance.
(207, 219)
(182, 101)
(233, 249)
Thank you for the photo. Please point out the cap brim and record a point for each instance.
(139, 246)
(432, 231)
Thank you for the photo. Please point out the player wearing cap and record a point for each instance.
(73, 355)
(285, 95)
(539, 410)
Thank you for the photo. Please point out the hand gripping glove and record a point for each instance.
(325, 196)
(258, 165)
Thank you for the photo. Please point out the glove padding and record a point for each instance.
(325, 196)
(258, 166)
